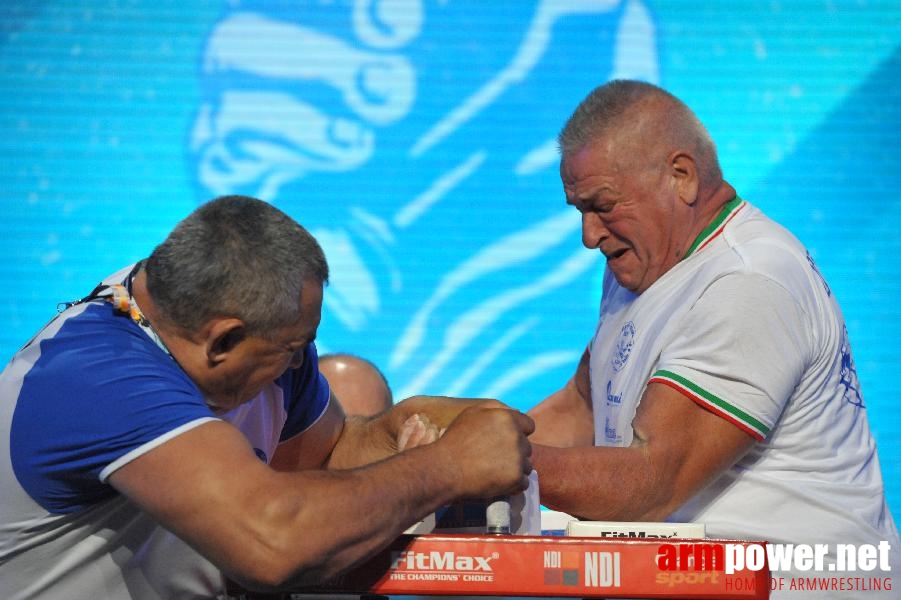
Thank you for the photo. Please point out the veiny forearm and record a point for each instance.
(616, 484)
(303, 538)
(267, 528)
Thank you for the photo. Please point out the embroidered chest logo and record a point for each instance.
(623, 346)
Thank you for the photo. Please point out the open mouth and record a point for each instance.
(617, 254)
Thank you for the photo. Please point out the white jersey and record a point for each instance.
(746, 327)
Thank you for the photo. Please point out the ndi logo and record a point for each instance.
(599, 569)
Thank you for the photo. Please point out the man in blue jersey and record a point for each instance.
(719, 386)
(171, 430)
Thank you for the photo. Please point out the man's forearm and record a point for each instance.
(414, 421)
(310, 537)
(364, 440)
(616, 484)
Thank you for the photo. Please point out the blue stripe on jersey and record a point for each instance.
(99, 389)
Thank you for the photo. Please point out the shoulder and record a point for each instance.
(96, 348)
(97, 389)
(762, 244)
(755, 248)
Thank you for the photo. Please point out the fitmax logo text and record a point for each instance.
(440, 561)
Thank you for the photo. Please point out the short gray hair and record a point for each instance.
(235, 256)
(613, 108)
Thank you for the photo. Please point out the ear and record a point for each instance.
(222, 336)
(684, 172)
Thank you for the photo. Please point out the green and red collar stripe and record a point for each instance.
(713, 403)
(729, 210)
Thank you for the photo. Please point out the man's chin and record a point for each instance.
(220, 406)
(636, 287)
(216, 407)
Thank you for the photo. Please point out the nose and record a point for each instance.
(594, 231)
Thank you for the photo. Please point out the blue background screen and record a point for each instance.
(415, 139)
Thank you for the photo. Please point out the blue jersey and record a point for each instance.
(88, 394)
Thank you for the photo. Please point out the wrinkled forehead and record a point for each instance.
(599, 158)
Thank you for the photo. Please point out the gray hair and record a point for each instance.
(615, 108)
(235, 256)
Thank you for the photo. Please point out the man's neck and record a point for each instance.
(167, 334)
(711, 205)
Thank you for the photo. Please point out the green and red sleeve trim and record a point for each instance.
(713, 403)
(729, 210)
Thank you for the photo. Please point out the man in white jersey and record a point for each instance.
(171, 431)
(719, 386)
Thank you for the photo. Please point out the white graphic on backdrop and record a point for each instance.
(635, 25)
(301, 107)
